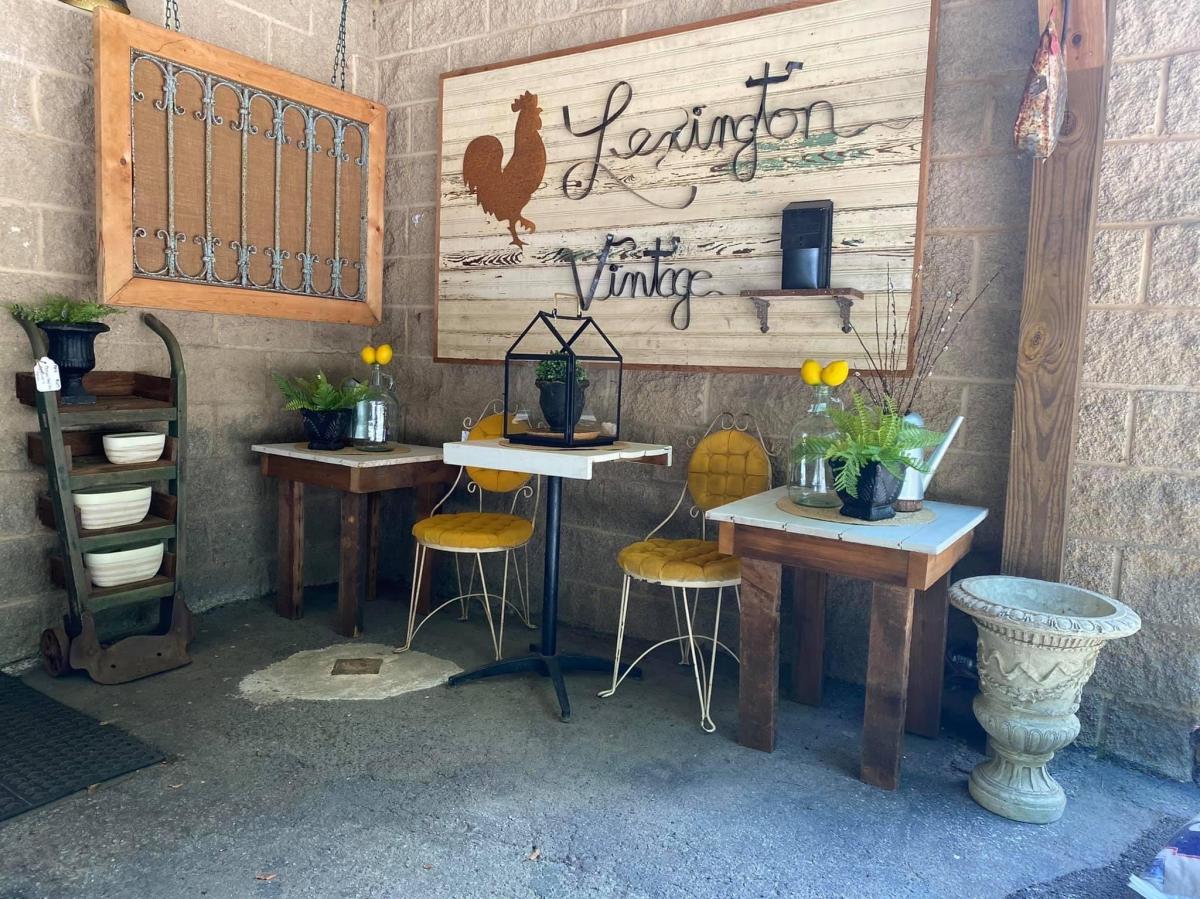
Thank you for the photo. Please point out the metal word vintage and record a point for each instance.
(226, 185)
(688, 143)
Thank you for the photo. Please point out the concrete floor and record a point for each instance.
(446, 792)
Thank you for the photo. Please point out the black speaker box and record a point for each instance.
(806, 238)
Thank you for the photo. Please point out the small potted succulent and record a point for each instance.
(869, 454)
(326, 410)
(551, 378)
(70, 327)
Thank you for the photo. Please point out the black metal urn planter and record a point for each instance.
(553, 399)
(877, 489)
(70, 328)
(327, 411)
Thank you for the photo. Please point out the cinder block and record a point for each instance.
(24, 561)
(1149, 666)
(1139, 182)
(1175, 266)
(1162, 585)
(1091, 565)
(25, 618)
(979, 192)
(1117, 265)
(1158, 740)
(1165, 429)
(19, 239)
(1140, 348)
(435, 22)
(1183, 87)
(667, 13)
(496, 46)
(69, 242)
(1103, 425)
(1152, 26)
(1133, 91)
(64, 106)
(988, 419)
(49, 35)
(16, 96)
(585, 29)
(393, 31)
(41, 170)
(977, 39)
(1146, 507)
(411, 77)
(960, 111)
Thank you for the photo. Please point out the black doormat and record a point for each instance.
(48, 750)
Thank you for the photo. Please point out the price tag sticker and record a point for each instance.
(45, 375)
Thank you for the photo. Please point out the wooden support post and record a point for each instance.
(928, 660)
(758, 647)
(349, 609)
(289, 592)
(808, 646)
(1058, 263)
(887, 685)
(374, 511)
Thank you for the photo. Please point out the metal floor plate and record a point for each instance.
(49, 750)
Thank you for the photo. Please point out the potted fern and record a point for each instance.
(326, 410)
(869, 454)
(551, 378)
(70, 327)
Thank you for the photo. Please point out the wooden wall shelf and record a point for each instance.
(843, 296)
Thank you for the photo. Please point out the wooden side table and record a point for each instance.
(361, 478)
(909, 567)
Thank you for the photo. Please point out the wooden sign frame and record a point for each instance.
(831, 312)
(117, 38)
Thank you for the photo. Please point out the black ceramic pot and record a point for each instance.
(73, 349)
(877, 490)
(553, 400)
(327, 430)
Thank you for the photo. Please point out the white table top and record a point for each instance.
(497, 453)
(300, 450)
(950, 523)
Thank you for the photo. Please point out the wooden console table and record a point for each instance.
(361, 478)
(909, 567)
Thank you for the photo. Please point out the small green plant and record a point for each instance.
(869, 434)
(554, 369)
(63, 310)
(318, 394)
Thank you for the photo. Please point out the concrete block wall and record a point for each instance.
(47, 243)
(1134, 531)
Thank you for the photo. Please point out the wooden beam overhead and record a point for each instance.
(1058, 264)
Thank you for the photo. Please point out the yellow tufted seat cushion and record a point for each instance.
(679, 562)
(727, 466)
(493, 479)
(474, 530)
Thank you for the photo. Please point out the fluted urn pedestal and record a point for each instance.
(1038, 643)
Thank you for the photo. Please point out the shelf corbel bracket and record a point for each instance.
(845, 304)
(762, 308)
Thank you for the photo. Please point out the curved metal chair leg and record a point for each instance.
(712, 665)
(620, 638)
(418, 569)
(683, 653)
(487, 603)
(705, 723)
(503, 604)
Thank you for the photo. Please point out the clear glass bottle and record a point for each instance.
(810, 481)
(377, 418)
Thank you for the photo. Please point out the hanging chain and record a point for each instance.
(171, 15)
(338, 78)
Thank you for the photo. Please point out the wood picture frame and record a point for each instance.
(466, 329)
(119, 41)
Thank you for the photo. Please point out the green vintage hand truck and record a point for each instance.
(69, 446)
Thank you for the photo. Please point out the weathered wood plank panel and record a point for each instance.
(688, 141)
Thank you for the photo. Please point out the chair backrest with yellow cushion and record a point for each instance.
(490, 478)
(725, 466)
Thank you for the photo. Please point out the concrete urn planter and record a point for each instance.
(1038, 643)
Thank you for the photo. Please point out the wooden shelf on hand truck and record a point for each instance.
(102, 598)
(158, 525)
(87, 466)
(122, 397)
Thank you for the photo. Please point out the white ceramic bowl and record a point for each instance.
(112, 507)
(139, 446)
(111, 568)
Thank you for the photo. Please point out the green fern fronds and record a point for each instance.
(869, 434)
(62, 310)
(319, 394)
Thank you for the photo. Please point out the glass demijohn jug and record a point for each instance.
(810, 480)
(377, 418)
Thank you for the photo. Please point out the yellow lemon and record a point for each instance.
(368, 355)
(835, 373)
(383, 353)
(810, 371)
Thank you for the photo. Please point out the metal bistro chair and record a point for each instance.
(727, 464)
(479, 533)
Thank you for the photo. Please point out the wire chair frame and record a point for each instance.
(687, 637)
(485, 597)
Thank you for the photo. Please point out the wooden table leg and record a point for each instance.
(758, 684)
(374, 509)
(289, 593)
(808, 635)
(349, 610)
(426, 500)
(887, 684)
(926, 669)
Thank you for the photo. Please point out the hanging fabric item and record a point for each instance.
(1044, 102)
(338, 78)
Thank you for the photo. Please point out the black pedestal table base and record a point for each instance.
(546, 661)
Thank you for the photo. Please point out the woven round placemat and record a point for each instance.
(923, 516)
(395, 449)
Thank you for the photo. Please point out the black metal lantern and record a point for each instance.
(562, 384)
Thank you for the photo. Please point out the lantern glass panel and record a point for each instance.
(562, 384)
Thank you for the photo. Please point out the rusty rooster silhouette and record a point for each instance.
(505, 191)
